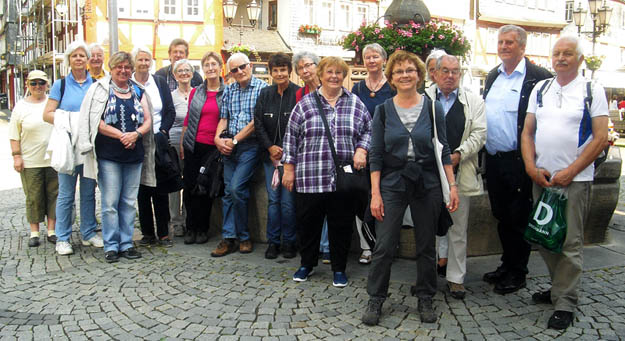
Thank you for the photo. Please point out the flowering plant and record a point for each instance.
(241, 48)
(310, 29)
(593, 63)
(414, 37)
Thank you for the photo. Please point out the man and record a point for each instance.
(559, 149)
(506, 93)
(178, 49)
(240, 148)
(466, 134)
(94, 64)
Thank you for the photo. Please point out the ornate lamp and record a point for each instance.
(230, 9)
(253, 11)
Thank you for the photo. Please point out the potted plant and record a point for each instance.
(310, 30)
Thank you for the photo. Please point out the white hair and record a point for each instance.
(579, 50)
(135, 52)
(75, 45)
(95, 45)
(435, 54)
(237, 55)
(182, 62)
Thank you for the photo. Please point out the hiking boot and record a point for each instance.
(373, 312)
(201, 238)
(225, 247)
(272, 251)
(456, 290)
(245, 246)
(147, 241)
(426, 311)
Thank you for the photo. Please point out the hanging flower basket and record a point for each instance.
(245, 49)
(593, 63)
(313, 30)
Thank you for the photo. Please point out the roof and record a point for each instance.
(261, 40)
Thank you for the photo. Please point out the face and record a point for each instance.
(280, 75)
(240, 70)
(431, 68)
(78, 59)
(508, 48)
(306, 69)
(564, 58)
(211, 68)
(184, 73)
(143, 62)
(177, 52)
(37, 87)
(97, 58)
(448, 75)
(373, 61)
(405, 76)
(121, 72)
(332, 77)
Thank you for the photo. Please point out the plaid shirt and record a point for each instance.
(306, 145)
(238, 104)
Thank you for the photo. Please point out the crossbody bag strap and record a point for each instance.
(327, 128)
(433, 120)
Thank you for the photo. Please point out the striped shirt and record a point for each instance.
(306, 145)
(238, 104)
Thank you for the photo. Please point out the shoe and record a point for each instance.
(189, 237)
(365, 257)
(147, 241)
(510, 284)
(496, 276)
(166, 242)
(201, 238)
(111, 256)
(225, 247)
(413, 290)
(325, 258)
(178, 230)
(33, 242)
(64, 248)
(456, 290)
(95, 241)
(372, 315)
(426, 311)
(130, 253)
(340, 280)
(51, 239)
(288, 251)
(272, 251)
(560, 320)
(542, 297)
(302, 274)
(441, 270)
(245, 246)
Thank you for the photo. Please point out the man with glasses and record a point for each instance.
(178, 49)
(235, 139)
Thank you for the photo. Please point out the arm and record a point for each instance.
(16, 150)
(221, 143)
(477, 136)
(528, 150)
(288, 178)
(245, 132)
(453, 188)
(289, 156)
(168, 113)
(48, 111)
(364, 135)
(184, 130)
(130, 139)
(441, 130)
(377, 205)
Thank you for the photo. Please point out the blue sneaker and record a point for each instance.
(340, 280)
(301, 275)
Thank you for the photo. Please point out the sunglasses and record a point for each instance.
(240, 67)
(39, 82)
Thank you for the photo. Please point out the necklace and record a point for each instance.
(328, 98)
(375, 88)
(185, 94)
(118, 89)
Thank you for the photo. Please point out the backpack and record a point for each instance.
(63, 87)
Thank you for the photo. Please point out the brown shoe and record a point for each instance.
(245, 246)
(225, 247)
(456, 290)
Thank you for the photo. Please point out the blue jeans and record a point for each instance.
(65, 206)
(238, 170)
(280, 211)
(119, 186)
(324, 245)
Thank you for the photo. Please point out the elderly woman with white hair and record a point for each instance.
(66, 96)
(163, 115)
(430, 64)
(96, 61)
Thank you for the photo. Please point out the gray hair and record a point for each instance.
(75, 45)
(434, 55)
(376, 48)
(305, 54)
(94, 46)
(182, 62)
(135, 52)
(521, 34)
(579, 50)
(439, 61)
(237, 55)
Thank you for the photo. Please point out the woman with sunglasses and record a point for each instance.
(29, 136)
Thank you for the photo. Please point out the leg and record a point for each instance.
(340, 211)
(425, 232)
(109, 176)
(273, 208)
(131, 177)
(247, 157)
(287, 215)
(144, 203)
(52, 191)
(310, 213)
(228, 228)
(88, 223)
(33, 184)
(457, 252)
(161, 211)
(65, 206)
(324, 244)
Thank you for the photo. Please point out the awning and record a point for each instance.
(262, 40)
(610, 79)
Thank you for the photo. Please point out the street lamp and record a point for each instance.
(230, 9)
(600, 14)
(253, 12)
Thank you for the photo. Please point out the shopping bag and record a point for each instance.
(547, 222)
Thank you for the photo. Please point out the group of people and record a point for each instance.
(416, 149)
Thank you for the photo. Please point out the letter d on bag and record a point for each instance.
(548, 215)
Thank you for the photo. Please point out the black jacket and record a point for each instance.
(533, 75)
(168, 112)
(273, 111)
(167, 166)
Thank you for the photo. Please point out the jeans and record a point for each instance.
(238, 170)
(119, 186)
(281, 210)
(324, 245)
(65, 205)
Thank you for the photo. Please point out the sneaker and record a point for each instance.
(542, 297)
(426, 311)
(178, 230)
(130, 253)
(302, 274)
(189, 237)
(340, 280)
(288, 250)
(33, 242)
(111, 256)
(245, 246)
(95, 241)
(560, 320)
(51, 239)
(272, 251)
(365, 257)
(325, 258)
(373, 312)
(64, 248)
(225, 247)
(201, 238)
(166, 242)
(147, 241)
(456, 290)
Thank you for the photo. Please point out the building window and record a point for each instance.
(123, 9)
(362, 15)
(568, 11)
(309, 17)
(169, 7)
(142, 9)
(326, 15)
(273, 14)
(192, 10)
(345, 16)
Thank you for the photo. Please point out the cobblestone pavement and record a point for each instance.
(183, 293)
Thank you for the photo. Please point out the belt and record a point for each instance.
(505, 155)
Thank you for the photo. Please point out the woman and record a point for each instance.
(372, 91)
(163, 114)
(404, 172)
(29, 135)
(183, 72)
(115, 119)
(309, 166)
(271, 115)
(67, 95)
(198, 143)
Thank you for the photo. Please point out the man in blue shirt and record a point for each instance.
(506, 95)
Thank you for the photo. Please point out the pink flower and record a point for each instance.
(357, 48)
(354, 43)
(409, 34)
(441, 37)
(432, 37)
(377, 30)
(381, 36)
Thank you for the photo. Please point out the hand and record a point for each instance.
(562, 178)
(455, 159)
(288, 180)
(223, 146)
(377, 207)
(128, 139)
(18, 163)
(275, 153)
(453, 199)
(540, 177)
(360, 159)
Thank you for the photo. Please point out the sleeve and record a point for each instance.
(599, 105)
(355, 89)
(477, 135)
(162, 72)
(532, 102)
(55, 91)
(168, 113)
(376, 151)
(441, 130)
(225, 101)
(364, 129)
(186, 118)
(259, 125)
(15, 123)
(292, 135)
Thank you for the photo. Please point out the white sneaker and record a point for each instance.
(64, 248)
(95, 241)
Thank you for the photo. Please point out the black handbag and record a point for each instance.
(210, 181)
(444, 221)
(348, 178)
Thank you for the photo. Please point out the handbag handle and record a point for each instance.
(327, 128)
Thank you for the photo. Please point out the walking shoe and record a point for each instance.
(542, 297)
(225, 247)
(147, 241)
(340, 280)
(288, 250)
(245, 246)
(111, 256)
(272, 251)
(201, 237)
(95, 241)
(302, 274)
(166, 242)
(426, 311)
(130, 253)
(510, 284)
(178, 230)
(365, 257)
(51, 239)
(372, 315)
(496, 276)
(189, 237)
(64, 248)
(325, 258)
(33, 242)
(456, 290)
(560, 320)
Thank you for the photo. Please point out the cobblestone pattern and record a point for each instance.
(174, 294)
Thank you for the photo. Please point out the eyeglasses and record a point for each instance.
(453, 72)
(404, 72)
(240, 67)
(123, 67)
(183, 71)
(40, 82)
(305, 66)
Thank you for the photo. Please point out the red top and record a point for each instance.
(301, 93)
(621, 104)
(209, 118)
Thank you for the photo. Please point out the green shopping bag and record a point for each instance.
(547, 222)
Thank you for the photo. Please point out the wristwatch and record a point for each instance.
(139, 135)
(234, 141)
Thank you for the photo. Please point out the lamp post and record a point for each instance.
(600, 15)
(253, 12)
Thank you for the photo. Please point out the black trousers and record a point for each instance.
(148, 196)
(198, 206)
(510, 194)
(310, 210)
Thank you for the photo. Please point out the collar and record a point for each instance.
(520, 68)
(578, 78)
(439, 92)
(70, 75)
(99, 75)
(253, 83)
(147, 83)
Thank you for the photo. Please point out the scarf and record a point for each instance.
(110, 114)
